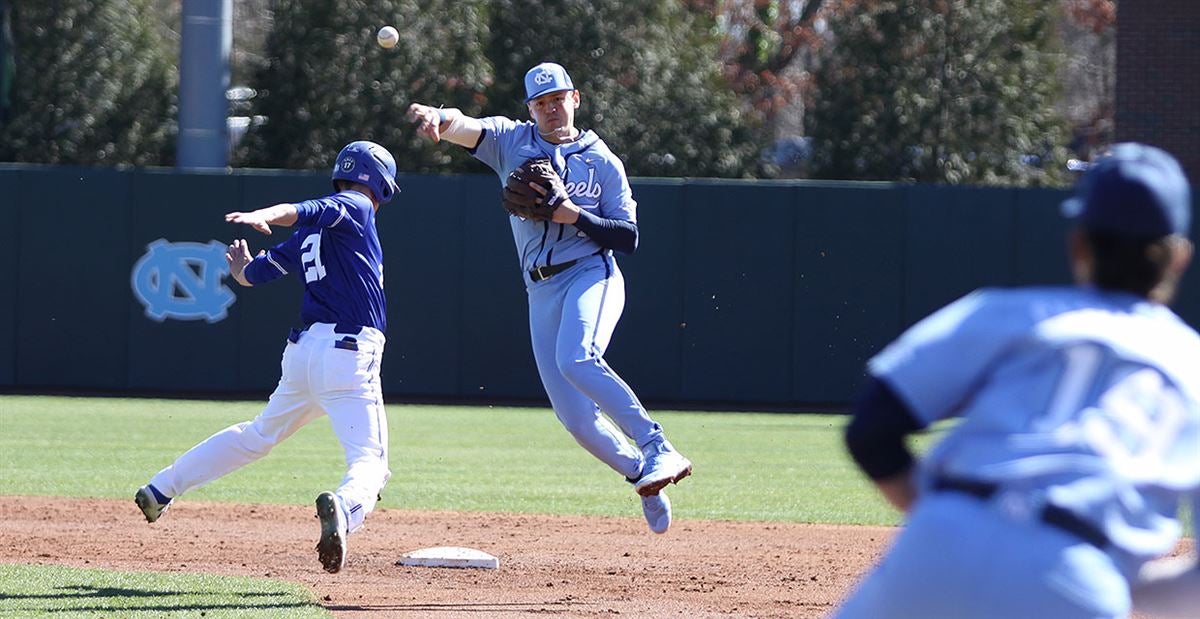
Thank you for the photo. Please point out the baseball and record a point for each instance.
(387, 37)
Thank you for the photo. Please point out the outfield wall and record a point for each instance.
(748, 293)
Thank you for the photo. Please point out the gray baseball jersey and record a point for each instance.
(594, 178)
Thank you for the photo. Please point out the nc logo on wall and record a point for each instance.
(182, 281)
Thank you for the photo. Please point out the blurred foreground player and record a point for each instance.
(1080, 431)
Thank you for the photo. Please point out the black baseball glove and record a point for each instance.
(526, 202)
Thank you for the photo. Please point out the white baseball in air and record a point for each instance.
(387, 37)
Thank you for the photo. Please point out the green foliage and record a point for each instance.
(326, 82)
(951, 91)
(56, 591)
(649, 78)
(95, 84)
(648, 72)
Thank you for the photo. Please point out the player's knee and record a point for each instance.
(579, 423)
(253, 440)
(576, 370)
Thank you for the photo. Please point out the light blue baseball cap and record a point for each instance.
(1134, 190)
(546, 78)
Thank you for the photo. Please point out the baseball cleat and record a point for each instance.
(331, 548)
(150, 501)
(657, 508)
(663, 466)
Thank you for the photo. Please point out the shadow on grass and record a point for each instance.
(83, 592)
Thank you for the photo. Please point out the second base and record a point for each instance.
(449, 556)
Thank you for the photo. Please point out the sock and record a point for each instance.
(158, 496)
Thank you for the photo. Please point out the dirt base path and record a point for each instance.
(550, 565)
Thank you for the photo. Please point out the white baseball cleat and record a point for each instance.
(657, 508)
(147, 501)
(663, 466)
(331, 548)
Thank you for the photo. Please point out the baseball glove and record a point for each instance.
(526, 202)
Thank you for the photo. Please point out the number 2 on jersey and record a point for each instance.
(310, 258)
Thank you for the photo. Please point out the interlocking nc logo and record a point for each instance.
(543, 77)
(182, 281)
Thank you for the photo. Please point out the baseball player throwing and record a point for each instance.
(576, 292)
(1080, 431)
(331, 366)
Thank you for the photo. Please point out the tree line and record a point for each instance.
(952, 91)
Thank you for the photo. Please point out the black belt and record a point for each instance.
(545, 272)
(1053, 515)
(346, 343)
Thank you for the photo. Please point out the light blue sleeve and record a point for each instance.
(616, 197)
(495, 142)
(938, 363)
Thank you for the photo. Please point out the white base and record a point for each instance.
(449, 556)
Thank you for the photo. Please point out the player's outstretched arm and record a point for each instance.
(448, 124)
(264, 218)
(238, 256)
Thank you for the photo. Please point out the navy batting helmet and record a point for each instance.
(370, 164)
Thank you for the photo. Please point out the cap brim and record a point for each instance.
(546, 92)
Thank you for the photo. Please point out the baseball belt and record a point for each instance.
(1058, 517)
(544, 272)
(346, 343)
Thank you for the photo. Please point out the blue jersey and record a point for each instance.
(594, 178)
(1082, 398)
(335, 249)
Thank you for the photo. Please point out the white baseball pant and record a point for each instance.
(321, 374)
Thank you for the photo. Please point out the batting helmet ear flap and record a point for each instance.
(388, 188)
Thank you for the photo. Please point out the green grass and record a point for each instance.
(779, 467)
(37, 591)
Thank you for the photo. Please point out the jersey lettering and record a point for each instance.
(1132, 422)
(310, 258)
(585, 189)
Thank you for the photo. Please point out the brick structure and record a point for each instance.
(1158, 77)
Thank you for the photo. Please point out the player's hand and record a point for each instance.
(428, 121)
(255, 220)
(238, 256)
(565, 211)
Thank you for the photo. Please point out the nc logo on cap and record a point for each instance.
(546, 78)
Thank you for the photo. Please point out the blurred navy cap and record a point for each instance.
(1133, 190)
(546, 78)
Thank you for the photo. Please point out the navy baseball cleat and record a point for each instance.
(331, 548)
(151, 502)
(657, 508)
(663, 465)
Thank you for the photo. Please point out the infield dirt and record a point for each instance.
(550, 565)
